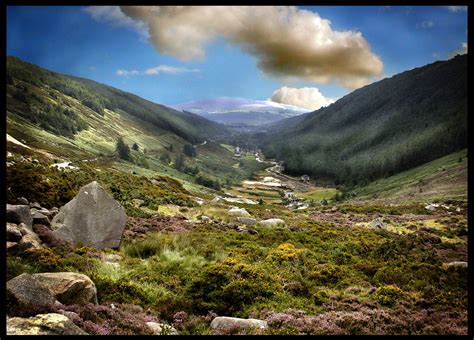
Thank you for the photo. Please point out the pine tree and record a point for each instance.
(123, 150)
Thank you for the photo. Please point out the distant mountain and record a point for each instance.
(381, 129)
(228, 110)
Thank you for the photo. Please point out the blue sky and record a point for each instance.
(71, 40)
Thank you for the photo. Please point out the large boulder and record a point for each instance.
(93, 217)
(222, 322)
(69, 288)
(43, 324)
(272, 222)
(26, 290)
(19, 214)
(238, 212)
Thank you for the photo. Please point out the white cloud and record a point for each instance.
(457, 8)
(166, 69)
(288, 42)
(462, 50)
(425, 24)
(169, 70)
(113, 15)
(307, 97)
(127, 73)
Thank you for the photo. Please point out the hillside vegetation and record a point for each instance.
(379, 130)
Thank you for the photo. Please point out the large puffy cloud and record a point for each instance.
(288, 42)
(307, 97)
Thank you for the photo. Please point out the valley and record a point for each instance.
(213, 230)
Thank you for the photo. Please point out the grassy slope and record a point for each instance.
(99, 138)
(441, 179)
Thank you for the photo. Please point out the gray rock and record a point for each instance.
(30, 240)
(39, 218)
(161, 329)
(93, 217)
(238, 212)
(43, 324)
(377, 224)
(69, 288)
(13, 232)
(457, 264)
(49, 214)
(26, 290)
(23, 201)
(19, 214)
(35, 205)
(228, 322)
(272, 222)
(247, 220)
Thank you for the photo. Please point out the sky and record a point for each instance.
(306, 56)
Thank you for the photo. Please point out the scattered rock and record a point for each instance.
(13, 232)
(272, 222)
(39, 218)
(238, 212)
(43, 324)
(205, 218)
(247, 220)
(19, 214)
(241, 228)
(23, 201)
(69, 288)
(35, 205)
(456, 264)
(161, 329)
(44, 211)
(92, 217)
(333, 209)
(229, 322)
(377, 224)
(30, 240)
(26, 290)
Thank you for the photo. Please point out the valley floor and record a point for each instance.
(350, 267)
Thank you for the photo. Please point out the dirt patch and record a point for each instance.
(138, 227)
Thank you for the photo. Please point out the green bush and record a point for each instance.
(388, 295)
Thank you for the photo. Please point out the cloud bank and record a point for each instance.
(288, 42)
(457, 8)
(166, 69)
(307, 97)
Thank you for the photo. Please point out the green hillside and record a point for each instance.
(54, 117)
(63, 118)
(379, 130)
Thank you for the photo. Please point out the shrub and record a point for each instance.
(388, 295)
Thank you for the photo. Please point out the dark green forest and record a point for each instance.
(379, 130)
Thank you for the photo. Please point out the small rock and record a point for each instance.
(333, 209)
(43, 324)
(238, 212)
(161, 329)
(12, 248)
(247, 220)
(228, 322)
(456, 264)
(35, 205)
(13, 232)
(19, 214)
(241, 228)
(23, 201)
(272, 222)
(39, 218)
(205, 218)
(377, 224)
(430, 207)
